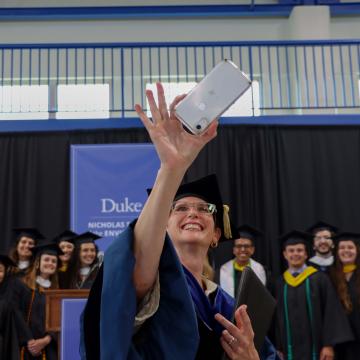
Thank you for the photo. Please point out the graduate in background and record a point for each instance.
(310, 320)
(245, 238)
(14, 332)
(41, 276)
(150, 300)
(85, 262)
(65, 241)
(21, 253)
(345, 275)
(323, 245)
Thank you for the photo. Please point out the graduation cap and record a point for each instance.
(207, 189)
(32, 233)
(49, 248)
(66, 235)
(295, 237)
(6, 261)
(248, 232)
(85, 238)
(348, 236)
(320, 226)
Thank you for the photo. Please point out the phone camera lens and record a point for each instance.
(198, 127)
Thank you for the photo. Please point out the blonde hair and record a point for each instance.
(208, 270)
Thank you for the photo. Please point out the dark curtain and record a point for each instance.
(277, 178)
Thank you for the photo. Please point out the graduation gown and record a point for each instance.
(34, 302)
(9, 339)
(227, 274)
(328, 327)
(90, 278)
(63, 277)
(351, 350)
(171, 333)
(14, 332)
(322, 264)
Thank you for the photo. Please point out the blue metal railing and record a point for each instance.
(294, 77)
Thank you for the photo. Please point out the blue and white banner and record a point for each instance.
(71, 310)
(108, 186)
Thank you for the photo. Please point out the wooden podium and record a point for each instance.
(53, 306)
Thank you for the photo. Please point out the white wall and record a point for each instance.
(297, 26)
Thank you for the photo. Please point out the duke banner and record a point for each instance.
(108, 190)
(108, 186)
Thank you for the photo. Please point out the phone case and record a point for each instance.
(212, 96)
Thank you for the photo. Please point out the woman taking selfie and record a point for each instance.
(154, 301)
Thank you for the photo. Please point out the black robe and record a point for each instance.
(36, 323)
(351, 350)
(14, 332)
(330, 325)
(10, 326)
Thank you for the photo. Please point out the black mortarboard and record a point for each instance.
(296, 237)
(207, 189)
(353, 236)
(322, 225)
(6, 261)
(32, 233)
(248, 232)
(85, 238)
(66, 235)
(49, 248)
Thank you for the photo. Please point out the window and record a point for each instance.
(247, 105)
(87, 101)
(24, 102)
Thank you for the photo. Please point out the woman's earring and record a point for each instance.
(214, 244)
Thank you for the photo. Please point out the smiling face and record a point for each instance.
(243, 249)
(48, 265)
(190, 223)
(87, 254)
(347, 252)
(24, 247)
(67, 248)
(295, 255)
(323, 243)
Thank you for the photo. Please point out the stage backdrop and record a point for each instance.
(108, 190)
(108, 186)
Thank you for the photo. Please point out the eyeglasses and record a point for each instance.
(322, 237)
(202, 208)
(245, 246)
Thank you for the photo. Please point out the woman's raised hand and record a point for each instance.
(175, 146)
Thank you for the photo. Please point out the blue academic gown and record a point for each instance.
(170, 334)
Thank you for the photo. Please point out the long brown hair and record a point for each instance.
(14, 256)
(339, 281)
(72, 277)
(30, 277)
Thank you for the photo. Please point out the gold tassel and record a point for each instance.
(226, 221)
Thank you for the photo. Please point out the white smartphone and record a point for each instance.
(212, 96)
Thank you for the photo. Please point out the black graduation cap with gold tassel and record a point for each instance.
(207, 189)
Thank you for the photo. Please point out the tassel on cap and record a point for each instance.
(226, 221)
